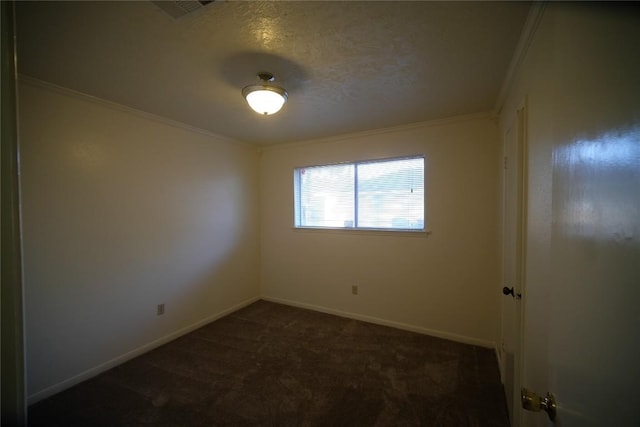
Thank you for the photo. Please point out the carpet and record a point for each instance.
(274, 365)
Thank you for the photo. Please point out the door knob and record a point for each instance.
(510, 291)
(533, 402)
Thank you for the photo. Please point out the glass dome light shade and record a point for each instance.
(265, 99)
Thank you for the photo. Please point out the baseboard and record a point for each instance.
(500, 363)
(412, 328)
(83, 376)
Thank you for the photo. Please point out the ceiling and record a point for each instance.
(348, 66)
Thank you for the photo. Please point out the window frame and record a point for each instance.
(357, 230)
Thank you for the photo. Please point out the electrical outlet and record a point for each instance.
(354, 289)
(160, 310)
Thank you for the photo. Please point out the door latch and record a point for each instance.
(510, 291)
(533, 402)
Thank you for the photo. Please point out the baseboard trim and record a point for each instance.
(500, 363)
(370, 319)
(83, 376)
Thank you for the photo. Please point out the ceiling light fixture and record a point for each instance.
(265, 98)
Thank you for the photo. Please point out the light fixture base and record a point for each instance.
(266, 76)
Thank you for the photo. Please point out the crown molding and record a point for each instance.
(526, 37)
(487, 115)
(32, 81)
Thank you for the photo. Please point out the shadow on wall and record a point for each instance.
(121, 214)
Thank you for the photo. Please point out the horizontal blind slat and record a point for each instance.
(390, 194)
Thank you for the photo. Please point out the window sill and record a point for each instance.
(364, 231)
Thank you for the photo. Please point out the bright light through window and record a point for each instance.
(381, 194)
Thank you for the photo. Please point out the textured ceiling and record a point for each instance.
(348, 66)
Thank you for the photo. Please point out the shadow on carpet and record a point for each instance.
(275, 365)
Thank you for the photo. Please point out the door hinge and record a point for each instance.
(504, 162)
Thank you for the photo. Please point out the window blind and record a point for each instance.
(380, 194)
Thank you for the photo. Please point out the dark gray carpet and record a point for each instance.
(274, 365)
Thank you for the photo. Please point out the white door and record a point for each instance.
(594, 334)
(512, 262)
(589, 319)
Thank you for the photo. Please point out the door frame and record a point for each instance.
(519, 126)
(13, 390)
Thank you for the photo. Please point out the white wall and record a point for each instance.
(446, 283)
(122, 212)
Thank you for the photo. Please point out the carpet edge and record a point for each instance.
(378, 321)
(92, 372)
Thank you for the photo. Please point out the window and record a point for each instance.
(379, 194)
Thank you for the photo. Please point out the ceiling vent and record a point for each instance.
(179, 8)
